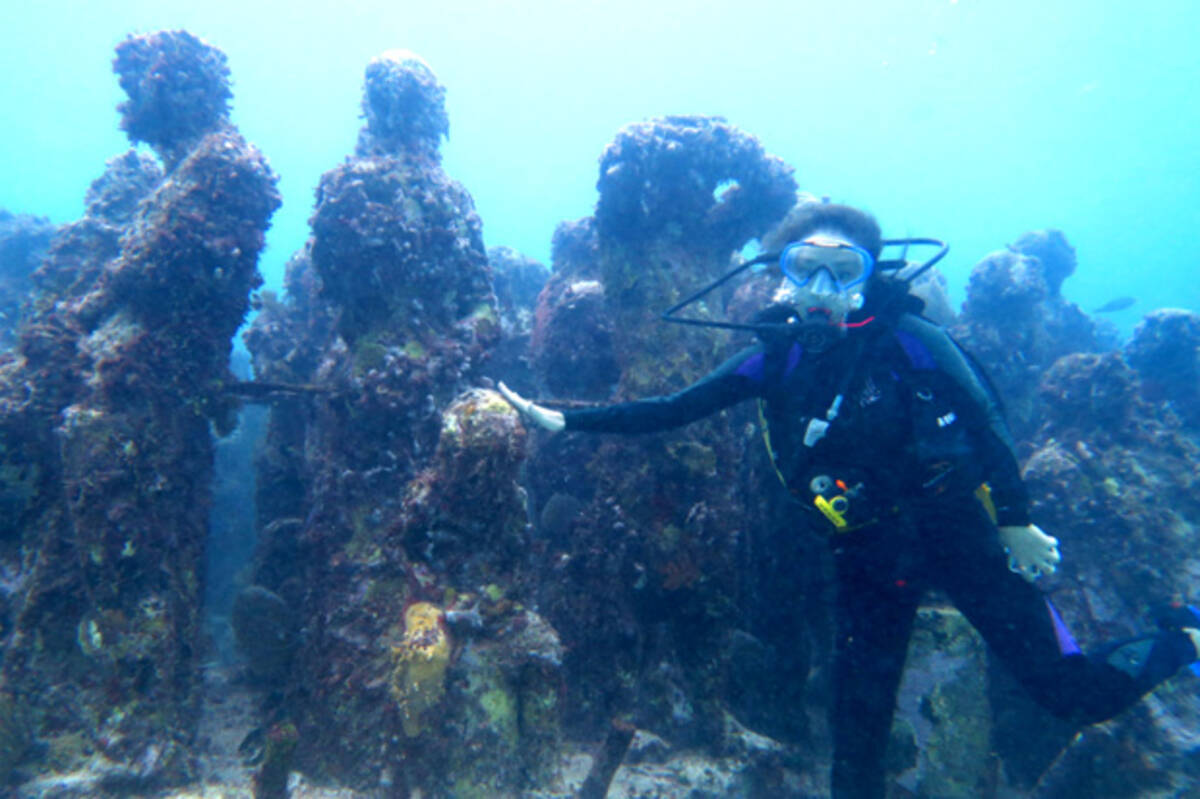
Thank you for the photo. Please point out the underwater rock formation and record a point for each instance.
(1165, 351)
(107, 405)
(1016, 322)
(23, 241)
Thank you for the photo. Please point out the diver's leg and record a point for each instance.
(1026, 633)
(875, 613)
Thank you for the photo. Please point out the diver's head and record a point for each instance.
(827, 256)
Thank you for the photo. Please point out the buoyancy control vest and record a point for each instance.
(942, 394)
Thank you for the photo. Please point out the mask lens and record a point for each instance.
(846, 264)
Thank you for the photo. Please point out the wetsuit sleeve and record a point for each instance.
(1009, 494)
(737, 379)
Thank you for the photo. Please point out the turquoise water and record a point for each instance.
(968, 120)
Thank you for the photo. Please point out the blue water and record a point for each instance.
(967, 120)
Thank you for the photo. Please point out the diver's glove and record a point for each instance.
(542, 417)
(1031, 553)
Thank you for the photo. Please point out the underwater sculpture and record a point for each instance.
(392, 521)
(107, 404)
(647, 555)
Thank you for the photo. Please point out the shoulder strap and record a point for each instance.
(936, 349)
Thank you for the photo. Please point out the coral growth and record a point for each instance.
(379, 227)
(418, 679)
(1054, 254)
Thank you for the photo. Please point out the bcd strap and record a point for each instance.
(766, 436)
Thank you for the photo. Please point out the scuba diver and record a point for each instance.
(889, 437)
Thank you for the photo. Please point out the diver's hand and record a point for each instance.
(1031, 553)
(542, 417)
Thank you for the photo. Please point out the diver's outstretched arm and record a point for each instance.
(542, 417)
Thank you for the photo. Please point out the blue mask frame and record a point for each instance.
(787, 264)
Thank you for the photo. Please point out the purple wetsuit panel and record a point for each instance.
(752, 368)
(1066, 641)
(918, 354)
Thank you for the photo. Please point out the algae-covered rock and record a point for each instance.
(941, 735)
(23, 241)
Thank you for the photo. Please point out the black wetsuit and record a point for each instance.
(910, 444)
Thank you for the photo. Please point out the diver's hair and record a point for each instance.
(807, 218)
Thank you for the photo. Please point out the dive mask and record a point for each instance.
(835, 265)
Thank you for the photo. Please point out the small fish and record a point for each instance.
(1119, 304)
